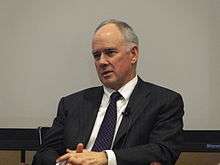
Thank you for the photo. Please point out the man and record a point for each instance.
(124, 122)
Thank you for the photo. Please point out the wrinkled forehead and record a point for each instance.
(107, 35)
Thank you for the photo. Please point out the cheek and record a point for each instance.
(122, 64)
(96, 65)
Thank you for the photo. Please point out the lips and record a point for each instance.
(106, 73)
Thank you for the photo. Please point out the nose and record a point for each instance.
(103, 60)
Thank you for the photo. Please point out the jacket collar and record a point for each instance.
(135, 107)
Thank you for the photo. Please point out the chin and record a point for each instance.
(108, 83)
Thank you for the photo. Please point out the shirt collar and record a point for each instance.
(125, 90)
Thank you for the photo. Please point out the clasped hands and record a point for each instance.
(81, 156)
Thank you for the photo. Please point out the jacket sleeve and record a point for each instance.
(53, 143)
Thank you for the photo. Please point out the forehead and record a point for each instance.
(107, 36)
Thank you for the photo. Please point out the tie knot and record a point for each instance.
(115, 96)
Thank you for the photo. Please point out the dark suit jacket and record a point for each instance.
(151, 129)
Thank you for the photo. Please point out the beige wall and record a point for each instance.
(45, 54)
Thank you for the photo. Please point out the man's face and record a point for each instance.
(114, 59)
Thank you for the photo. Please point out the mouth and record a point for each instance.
(106, 73)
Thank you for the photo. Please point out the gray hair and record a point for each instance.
(124, 28)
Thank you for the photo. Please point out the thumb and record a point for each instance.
(79, 148)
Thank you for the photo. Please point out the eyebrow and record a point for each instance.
(108, 49)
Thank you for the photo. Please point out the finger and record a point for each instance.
(68, 164)
(63, 157)
(69, 151)
(74, 161)
(89, 161)
(61, 163)
(85, 150)
(155, 163)
(79, 148)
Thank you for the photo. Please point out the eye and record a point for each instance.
(96, 54)
(110, 52)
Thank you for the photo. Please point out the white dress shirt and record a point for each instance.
(125, 91)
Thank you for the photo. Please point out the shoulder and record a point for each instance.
(84, 93)
(159, 96)
(81, 97)
(160, 92)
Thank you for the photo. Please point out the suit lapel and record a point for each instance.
(136, 105)
(90, 107)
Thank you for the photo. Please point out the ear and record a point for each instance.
(134, 53)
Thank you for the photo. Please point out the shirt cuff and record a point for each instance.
(111, 157)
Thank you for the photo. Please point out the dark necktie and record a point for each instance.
(106, 132)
